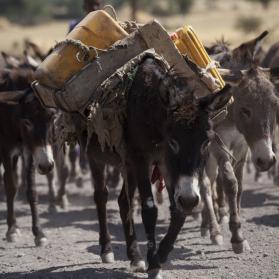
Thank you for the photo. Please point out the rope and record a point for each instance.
(222, 145)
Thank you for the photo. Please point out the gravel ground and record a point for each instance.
(73, 250)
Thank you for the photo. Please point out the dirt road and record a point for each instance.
(73, 250)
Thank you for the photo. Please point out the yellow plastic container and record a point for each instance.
(188, 43)
(97, 29)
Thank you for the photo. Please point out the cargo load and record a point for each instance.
(78, 92)
(188, 43)
(98, 30)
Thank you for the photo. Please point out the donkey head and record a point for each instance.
(34, 124)
(254, 109)
(188, 130)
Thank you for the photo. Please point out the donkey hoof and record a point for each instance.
(241, 247)
(64, 203)
(155, 274)
(217, 240)
(107, 257)
(79, 182)
(40, 241)
(138, 266)
(13, 234)
(204, 232)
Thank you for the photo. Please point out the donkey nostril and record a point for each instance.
(46, 168)
(259, 162)
(189, 203)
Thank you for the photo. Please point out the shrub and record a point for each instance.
(248, 24)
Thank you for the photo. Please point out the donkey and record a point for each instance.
(23, 130)
(19, 76)
(165, 125)
(250, 124)
(271, 60)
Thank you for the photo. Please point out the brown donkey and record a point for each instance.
(250, 124)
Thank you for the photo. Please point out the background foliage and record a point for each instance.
(30, 11)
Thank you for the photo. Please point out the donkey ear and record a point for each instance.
(248, 51)
(216, 101)
(233, 77)
(30, 61)
(10, 61)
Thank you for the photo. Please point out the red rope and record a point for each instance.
(157, 176)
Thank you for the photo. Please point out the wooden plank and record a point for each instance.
(80, 88)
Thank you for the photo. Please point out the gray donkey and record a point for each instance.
(250, 123)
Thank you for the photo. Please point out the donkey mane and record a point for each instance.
(187, 112)
(219, 46)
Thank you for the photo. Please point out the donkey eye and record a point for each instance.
(173, 144)
(246, 113)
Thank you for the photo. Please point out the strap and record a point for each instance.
(222, 145)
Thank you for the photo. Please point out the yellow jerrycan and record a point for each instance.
(188, 43)
(98, 29)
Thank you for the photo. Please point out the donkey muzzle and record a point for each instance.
(43, 159)
(187, 195)
(263, 156)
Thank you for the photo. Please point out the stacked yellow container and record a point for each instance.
(189, 44)
(98, 29)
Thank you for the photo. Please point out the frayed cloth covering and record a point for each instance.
(107, 112)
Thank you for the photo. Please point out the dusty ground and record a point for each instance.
(73, 241)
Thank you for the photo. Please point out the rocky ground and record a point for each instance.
(73, 250)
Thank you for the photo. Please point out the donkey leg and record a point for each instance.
(149, 215)
(137, 263)
(62, 173)
(76, 172)
(230, 185)
(10, 189)
(209, 212)
(72, 159)
(112, 177)
(51, 192)
(32, 197)
(83, 162)
(239, 177)
(1, 176)
(176, 223)
(223, 211)
(101, 198)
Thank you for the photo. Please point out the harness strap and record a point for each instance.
(222, 146)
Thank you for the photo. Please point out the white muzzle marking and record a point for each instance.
(43, 157)
(262, 149)
(188, 189)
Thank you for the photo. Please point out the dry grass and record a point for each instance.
(211, 24)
